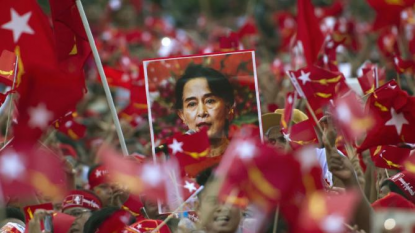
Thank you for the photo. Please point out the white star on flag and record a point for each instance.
(397, 120)
(246, 150)
(98, 173)
(125, 78)
(11, 165)
(305, 77)
(39, 116)
(190, 186)
(18, 24)
(308, 158)
(396, 60)
(333, 224)
(287, 136)
(176, 146)
(343, 113)
(290, 99)
(151, 175)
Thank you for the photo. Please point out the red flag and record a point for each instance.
(287, 27)
(388, 12)
(390, 157)
(350, 117)
(138, 101)
(288, 109)
(25, 30)
(7, 67)
(318, 86)
(388, 42)
(409, 164)
(25, 170)
(46, 95)
(367, 80)
(117, 78)
(68, 126)
(14, 175)
(403, 66)
(229, 43)
(301, 134)
(29, 211)
(308, 31)
(328, 59)
(191, 151)
(345, 30)
(265, 176)
(335, 9)
(394, 114)
(155, 180)
(324, 212)
(312, 174)
(71, 41)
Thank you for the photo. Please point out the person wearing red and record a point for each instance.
(80, 204)
(99, 184)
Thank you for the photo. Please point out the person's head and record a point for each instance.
(13, 216)
(382, 175)
(216, 216)
(80, 204)
(108, 219)
(99, 184)
(205, 98)
(271, 126)
(402, 184)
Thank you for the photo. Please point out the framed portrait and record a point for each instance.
(217, 91)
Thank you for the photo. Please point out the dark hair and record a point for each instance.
(98, 217)
(13, 212)
(218, 84)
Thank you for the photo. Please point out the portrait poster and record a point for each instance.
(217, 92)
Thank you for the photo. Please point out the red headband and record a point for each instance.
(79, 198)
(405, 183)
(98, 176)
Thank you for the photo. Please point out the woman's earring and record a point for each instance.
(231, 111)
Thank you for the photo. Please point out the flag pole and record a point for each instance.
(11, 101)
(103, 77)
(178, 208)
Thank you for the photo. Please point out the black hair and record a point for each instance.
(218, 84)
(16, 213)
(204, 176)
(98, 217)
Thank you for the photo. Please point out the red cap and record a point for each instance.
(148, 225)
(393, 200)
(79, 198)
(97, 176)
(117, 222)
(405, 182)
(62, 222)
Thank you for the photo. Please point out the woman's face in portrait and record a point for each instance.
(201, 108)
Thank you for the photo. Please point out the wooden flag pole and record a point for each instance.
(11, 101)
(103, 77)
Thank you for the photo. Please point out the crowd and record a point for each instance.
(330, 152)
